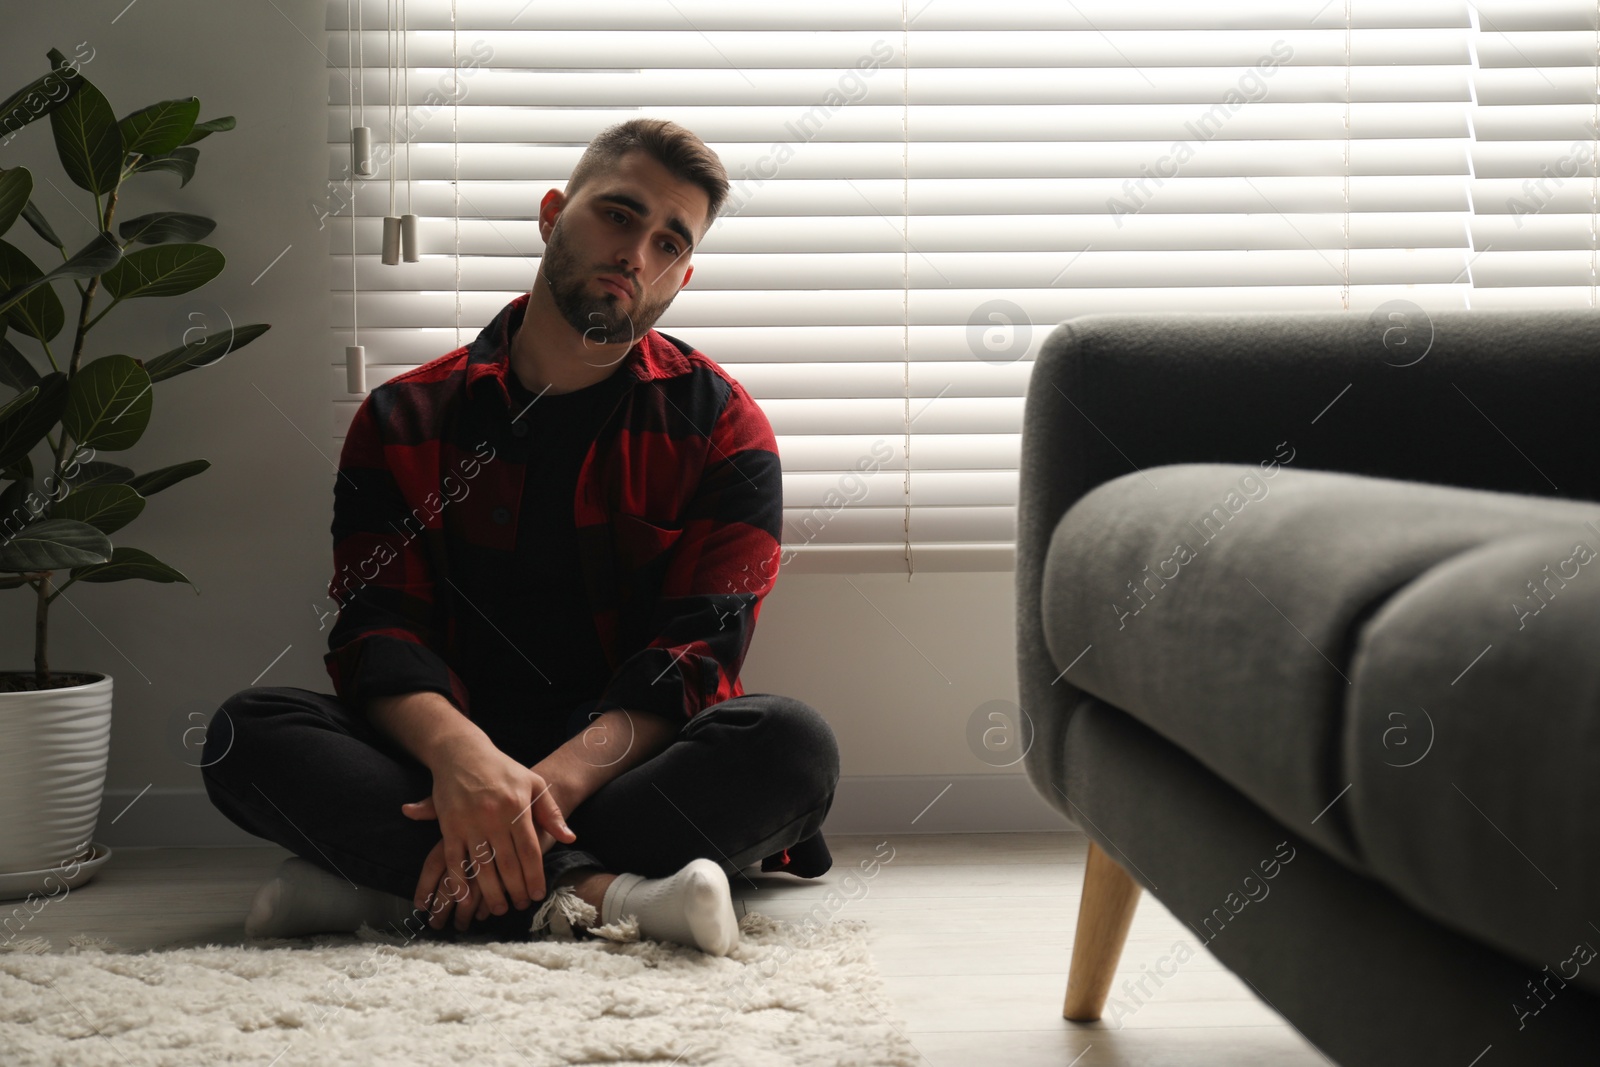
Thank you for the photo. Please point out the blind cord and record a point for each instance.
(355, 331)
(405, 65)
(1344, 294)
(1472, 139)
(905, 259)
(350, 102)
(455, 135)
(391, 51)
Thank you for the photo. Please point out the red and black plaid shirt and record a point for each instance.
(677, 512)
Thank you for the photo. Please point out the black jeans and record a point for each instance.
(742, 780)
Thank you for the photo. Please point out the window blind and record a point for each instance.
(923, 189)
(1536, 118)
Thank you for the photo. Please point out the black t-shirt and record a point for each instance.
(550, 618)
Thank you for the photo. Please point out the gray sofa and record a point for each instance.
(1309, 638)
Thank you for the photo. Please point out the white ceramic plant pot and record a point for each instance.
(54, 744)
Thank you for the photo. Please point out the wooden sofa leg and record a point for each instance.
(1109, 900)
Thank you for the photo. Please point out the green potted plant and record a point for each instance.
(57, 517)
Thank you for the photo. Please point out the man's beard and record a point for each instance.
(600, 319)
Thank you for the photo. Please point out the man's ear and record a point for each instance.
(549, 207)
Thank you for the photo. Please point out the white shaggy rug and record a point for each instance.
(788, 993)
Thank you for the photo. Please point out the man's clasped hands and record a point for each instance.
(505, 815)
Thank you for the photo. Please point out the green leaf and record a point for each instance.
(209, 349)
(152, 482)
(18, 402)
(96, 257)
(16, 185)
(15, 370)
(159, 128)
(165, 270)
(35, 219)
(108, 508)
(205, 129)
(108, 406)
(21, 467)
(39, 313)
(180, 161)
(14, 505)
(130, 563)
(160, 227)
(99, 472)
(39, 97)
(23, 425)
(87, 140)
(21, 504)
(54, 544)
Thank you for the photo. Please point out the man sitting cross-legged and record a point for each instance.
(551, 546)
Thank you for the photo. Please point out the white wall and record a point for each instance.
(253, 532)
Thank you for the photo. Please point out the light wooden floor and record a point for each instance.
(972, 933)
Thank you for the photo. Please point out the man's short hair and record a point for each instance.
(676, 148)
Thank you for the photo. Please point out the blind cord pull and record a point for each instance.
(355, 357)
(391, 221)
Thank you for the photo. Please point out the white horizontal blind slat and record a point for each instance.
(1102, 15)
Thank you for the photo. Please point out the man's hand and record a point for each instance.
(496, 818)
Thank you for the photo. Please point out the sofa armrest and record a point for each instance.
(1221, 605)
